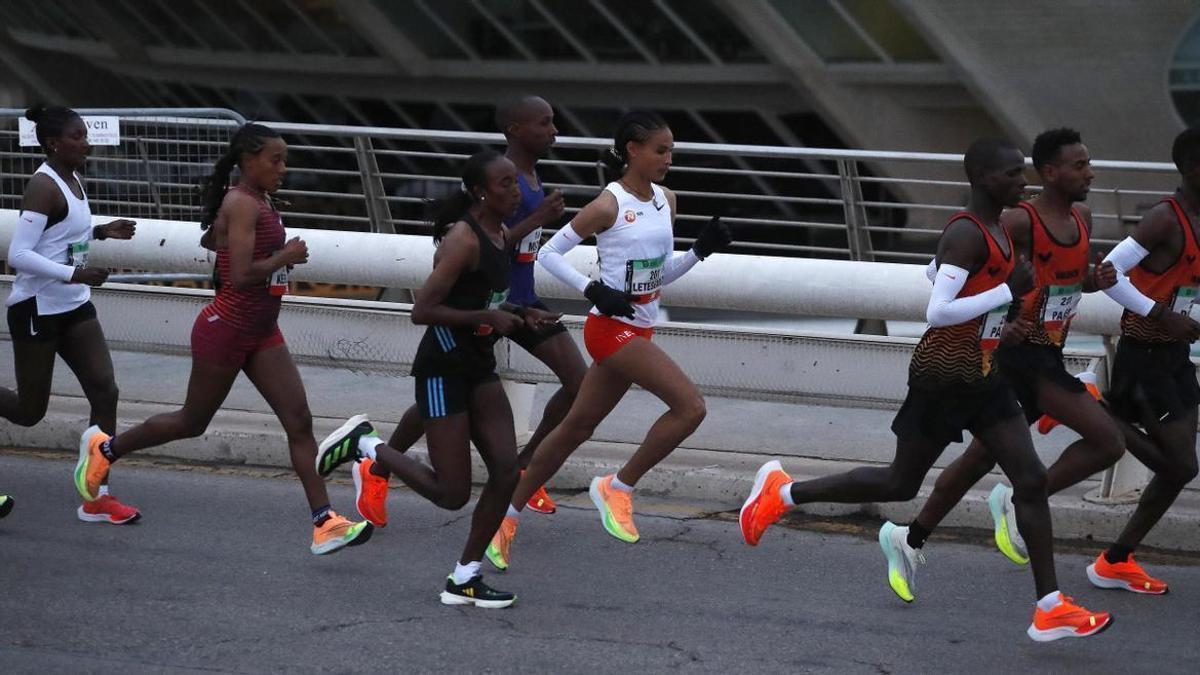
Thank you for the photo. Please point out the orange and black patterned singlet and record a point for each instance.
(1058, 271)
(961, 354)
(1176, 286)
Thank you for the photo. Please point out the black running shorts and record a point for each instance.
(941, 414)
(1022, 366)
(25, 324)
(1153, 376)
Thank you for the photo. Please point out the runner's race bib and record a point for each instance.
(278, 283)
(1185, 300)
(77, 254)
(497, 298)
(643, 278)
(1061, 302)
(993, 324)
(528, 248)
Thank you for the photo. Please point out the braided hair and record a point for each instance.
(249, 139)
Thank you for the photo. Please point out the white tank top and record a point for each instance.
(64, 242)
(632, 251)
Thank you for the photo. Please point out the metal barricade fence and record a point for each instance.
(154, 171)
(842, 204)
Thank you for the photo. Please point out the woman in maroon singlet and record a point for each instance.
(238, 332)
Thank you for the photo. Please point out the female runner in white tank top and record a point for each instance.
(49, 308)
(633, 222)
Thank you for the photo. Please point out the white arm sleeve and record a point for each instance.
(946, 310)
(931, 270)
(678, 265)
(30, 226)
(1125, 257)
(551, 257)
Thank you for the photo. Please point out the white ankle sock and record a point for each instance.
(616, 483)
(785, 493)
(367, 445)
(1050, 601)
(512, 512)
(464, 573)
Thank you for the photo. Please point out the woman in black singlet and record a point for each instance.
(464, 304)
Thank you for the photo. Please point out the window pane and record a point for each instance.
(888, 28)
(824, 30)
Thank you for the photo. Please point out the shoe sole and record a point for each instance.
(6, 507)
(364, 535)
(452, 599)
(1052, 634)
(330, 441)
(605, 515)
(760, 479)
(1116, 584)
(1000, 529)
(358, 487)
(102, 518)
(885, 534)
(81, 466)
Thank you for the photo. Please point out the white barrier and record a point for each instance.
(794, 286)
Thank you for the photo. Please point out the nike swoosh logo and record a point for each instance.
(951, 276)
(657, 206)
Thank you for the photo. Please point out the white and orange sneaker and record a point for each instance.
(497, 550)
(1067, 620)
(337, 533)
(370, 493)
(106, 509)
(764, 506)
(1127, 576)
(616, 508)
(92, 466)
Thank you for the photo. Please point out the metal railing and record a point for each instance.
(830, 203)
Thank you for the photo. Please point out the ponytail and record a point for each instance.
(247, 140)
(445, 212)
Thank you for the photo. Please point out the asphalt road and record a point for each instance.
(217, 578)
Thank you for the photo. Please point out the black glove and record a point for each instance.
(609, 301)
(714, 237)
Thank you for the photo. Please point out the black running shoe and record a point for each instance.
(342, 445)
(477, 593)
(6, 504)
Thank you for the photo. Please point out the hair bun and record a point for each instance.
(613, 160)
(35, 113)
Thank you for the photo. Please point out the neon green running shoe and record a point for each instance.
(902, 560)
(1008, 539)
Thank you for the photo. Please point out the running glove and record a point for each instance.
(714, 237)
(609, 301)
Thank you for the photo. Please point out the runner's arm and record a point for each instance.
(1154, 229)
(594, 218)
(962, 247)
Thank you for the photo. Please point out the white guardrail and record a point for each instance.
(752, 363)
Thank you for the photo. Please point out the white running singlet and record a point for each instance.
(633, 251)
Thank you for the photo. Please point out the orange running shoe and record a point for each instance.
(336, 533)
(1047, 423)
(1126, 575)
(370, 493)
(764, 506)
(616, 508)
(92, 466)
(106, 509)
(1067, 620)
(540, 500)
(497, 550)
